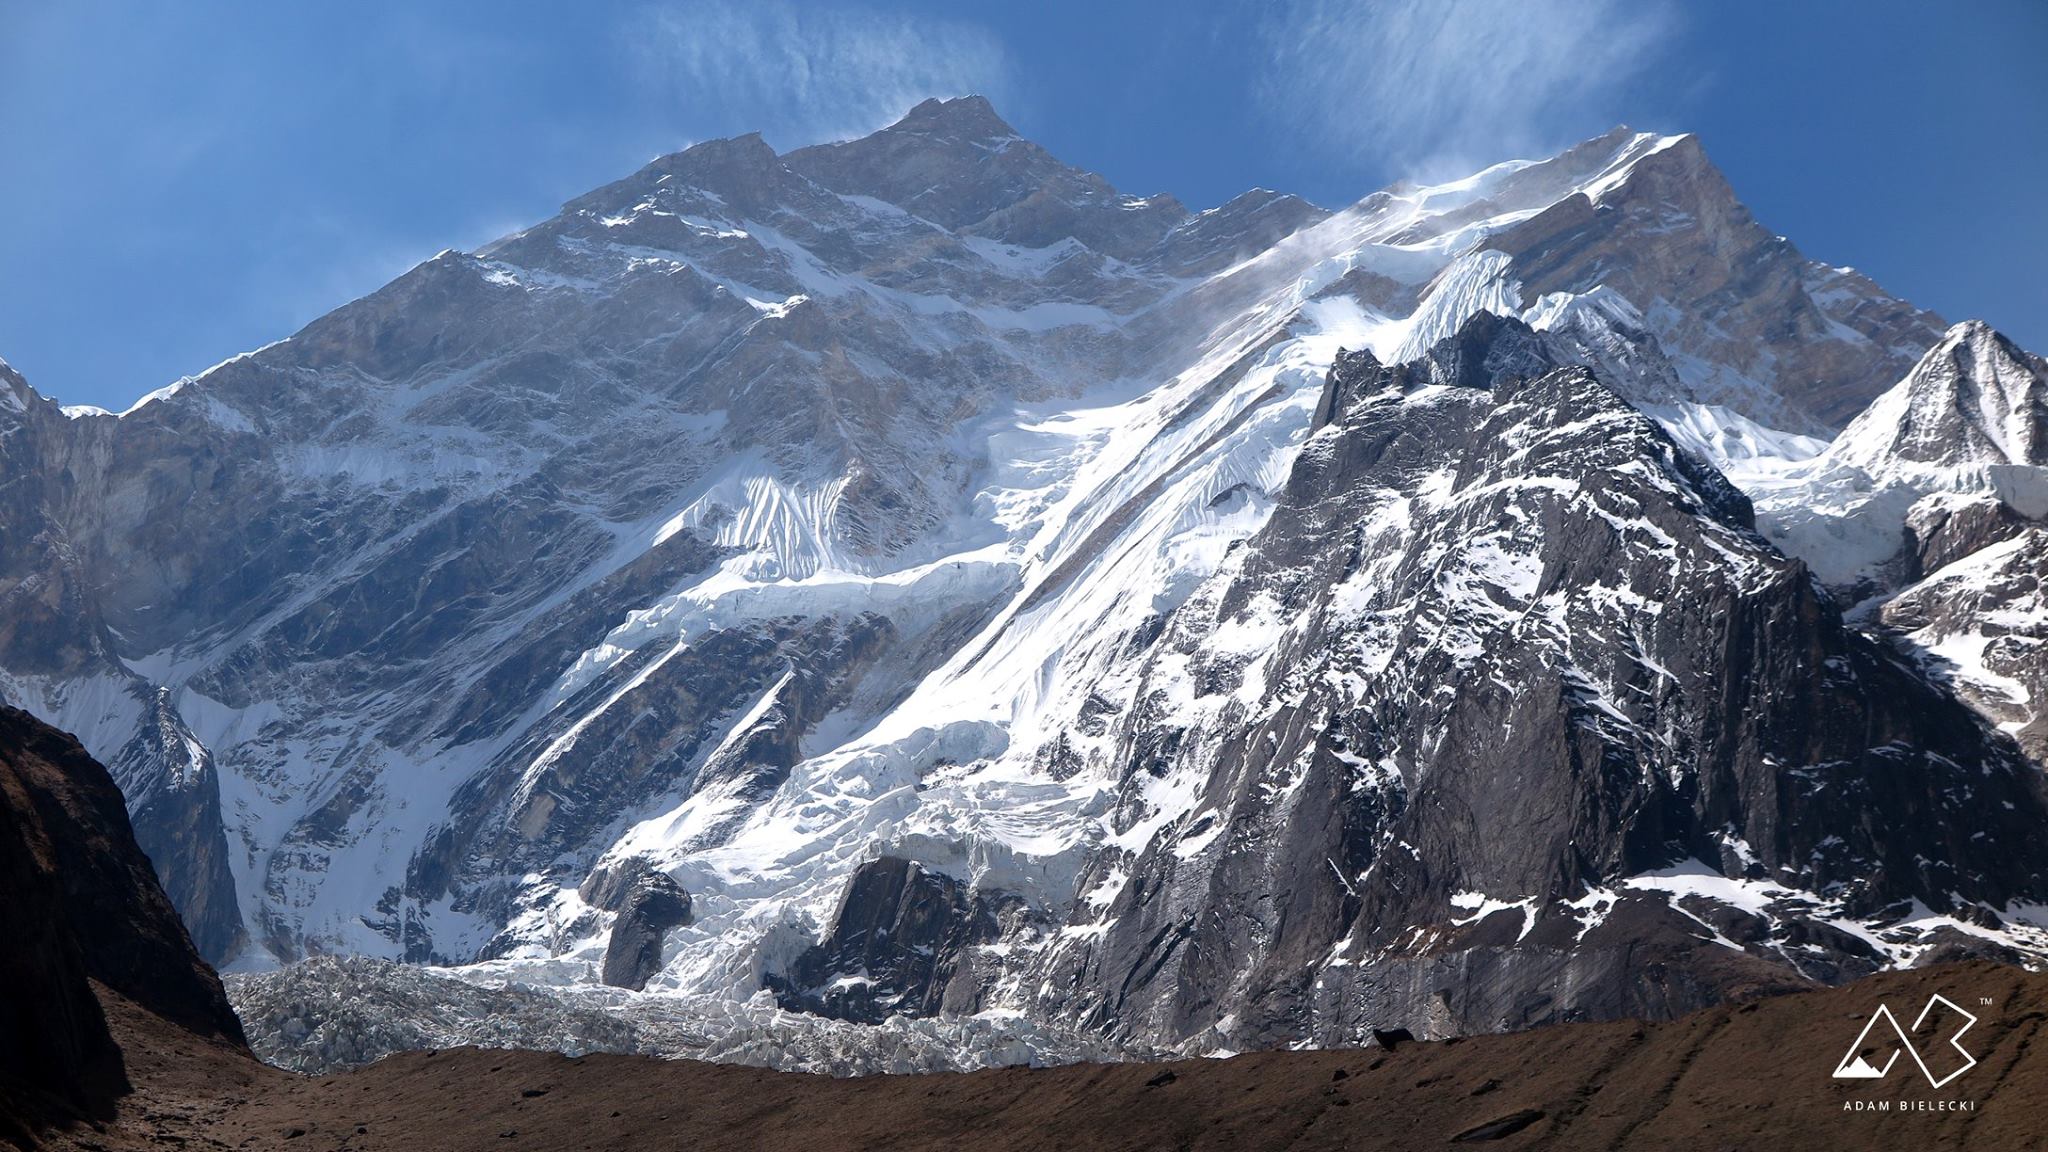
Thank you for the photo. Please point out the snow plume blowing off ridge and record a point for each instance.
(1445, 88)
(817, 72)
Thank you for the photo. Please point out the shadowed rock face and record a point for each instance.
(82, 905)
(651, 906)
(128, 933)
(909, 934)
(52, 1036)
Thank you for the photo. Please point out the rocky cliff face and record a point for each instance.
(893, 543)
(1980, 623)
(83, 908)
(55, 1037)
(902, 942)
(650, 906)
(1749, 323)
(1506, 697)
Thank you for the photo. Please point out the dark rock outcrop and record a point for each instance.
(173, 791)
(1940, 532)
(128, 933)
(82, 907)
(650, 906)
(52, 1034)
(901, 937)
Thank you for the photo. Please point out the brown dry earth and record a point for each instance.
(1748, 1076)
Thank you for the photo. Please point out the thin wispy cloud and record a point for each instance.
(805, 73)
(1433, 86)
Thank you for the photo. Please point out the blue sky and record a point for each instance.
(181, 182)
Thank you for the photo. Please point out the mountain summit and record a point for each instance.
(957, 164)
(1975, 400)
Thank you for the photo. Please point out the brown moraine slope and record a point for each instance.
(1741, 1076)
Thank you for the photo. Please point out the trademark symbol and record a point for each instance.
(1984, 1000)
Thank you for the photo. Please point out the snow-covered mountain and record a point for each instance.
(1973, 407)
(1506, 698)
(1932, 507)
(1968, 424)
(981, 591)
